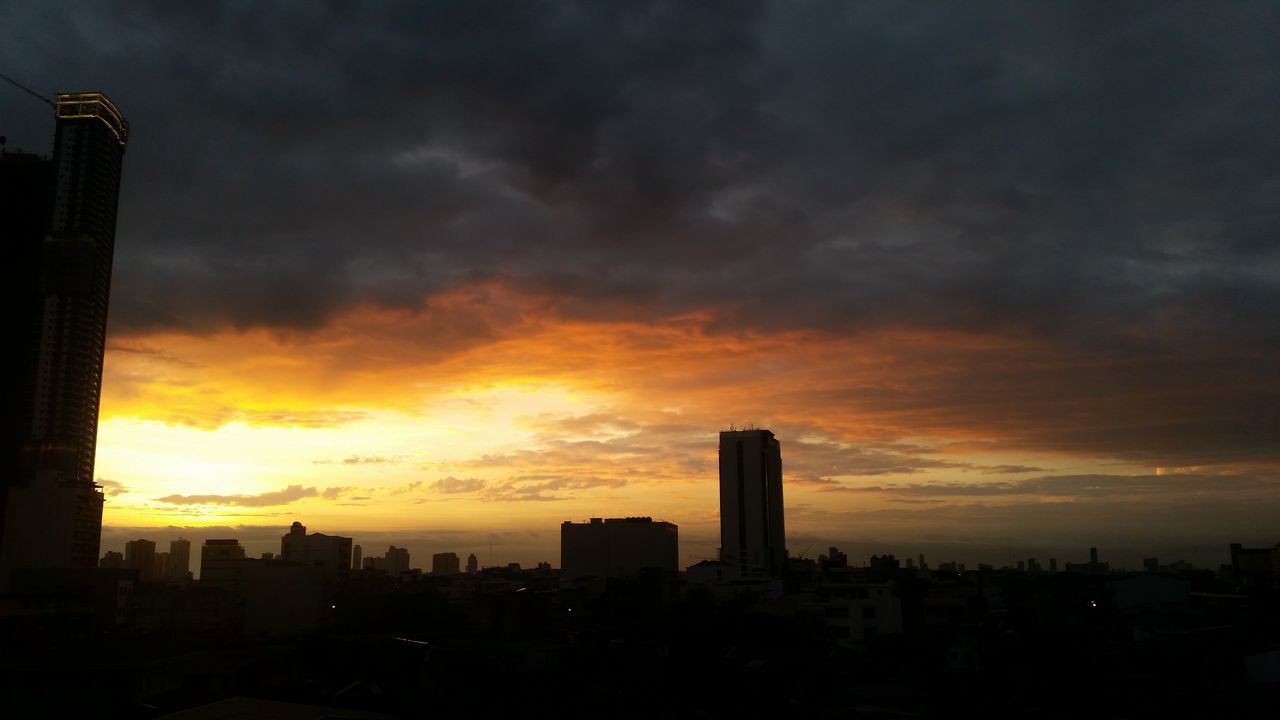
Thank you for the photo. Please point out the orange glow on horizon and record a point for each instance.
(487, 408)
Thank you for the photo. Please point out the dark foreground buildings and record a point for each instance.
(59, 228)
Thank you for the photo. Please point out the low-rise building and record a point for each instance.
(858, 611)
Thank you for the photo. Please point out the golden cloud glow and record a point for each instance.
(487, 409)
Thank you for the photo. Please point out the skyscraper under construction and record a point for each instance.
(61, 240)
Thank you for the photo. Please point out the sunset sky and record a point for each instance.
(1003, 278)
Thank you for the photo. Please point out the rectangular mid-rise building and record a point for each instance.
(617, 547)
(332, 552)
(446, 563)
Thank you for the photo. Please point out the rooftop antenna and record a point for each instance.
(27, 90)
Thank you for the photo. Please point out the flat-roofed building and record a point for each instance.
(752, 534)
(617, 547)
(332, 552)
(445, 564)
(221, 563)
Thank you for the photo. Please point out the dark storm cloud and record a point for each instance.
(1009, 164)
(1099, 177)
(1083, 488)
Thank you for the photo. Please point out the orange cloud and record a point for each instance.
(620, 417)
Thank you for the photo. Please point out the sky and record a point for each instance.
(1003, 278)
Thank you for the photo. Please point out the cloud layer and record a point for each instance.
(947, 253)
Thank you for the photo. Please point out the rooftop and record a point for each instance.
(93, 105)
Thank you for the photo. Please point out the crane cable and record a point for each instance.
(28, 90)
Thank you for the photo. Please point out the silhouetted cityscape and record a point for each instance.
(625, 622)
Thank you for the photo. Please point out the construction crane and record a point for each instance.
(46, 100)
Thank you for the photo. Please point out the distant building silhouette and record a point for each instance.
(160, 568)
(752, 536)
(50, 507)
(707, 572)
(357, 554)
(140, 555)
(473, 564)
(882, 565)
(179, 559)
(445, 564)
(397, 561)
(332, 552)
(112, 559)
(1093, 567)
(835, 559)
(617, 547)
(1254, 566)
(219, 563)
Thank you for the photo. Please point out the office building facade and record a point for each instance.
(752, 535)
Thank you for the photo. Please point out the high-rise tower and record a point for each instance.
(752, 537)
(53, 508)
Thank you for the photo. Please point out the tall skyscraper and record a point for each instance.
(52, 514)
(752, 536)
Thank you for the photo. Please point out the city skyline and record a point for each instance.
(1036, 315)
